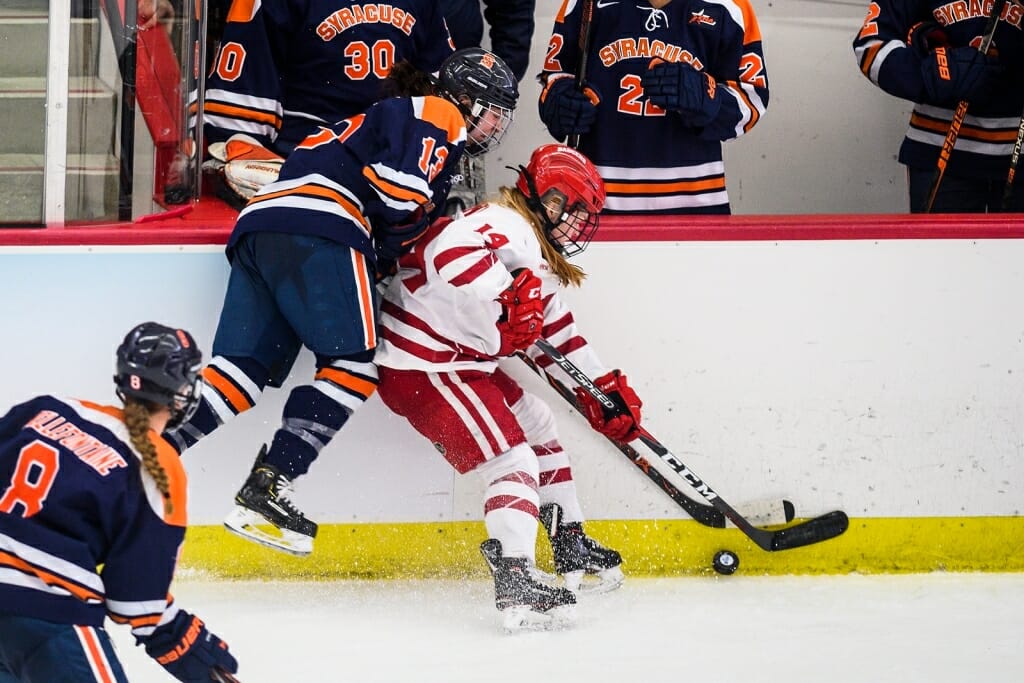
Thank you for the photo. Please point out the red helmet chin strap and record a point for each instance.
(534, 202)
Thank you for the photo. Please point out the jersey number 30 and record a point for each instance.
(37, 467)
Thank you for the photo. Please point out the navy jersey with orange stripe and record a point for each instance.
(373, 170)
(285, 67)
(989, 131)
(651, 162)
(74, 496)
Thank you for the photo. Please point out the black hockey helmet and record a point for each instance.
(160, 365)
(485, 90)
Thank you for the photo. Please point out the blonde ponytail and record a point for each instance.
(136, 419)
(567, 273)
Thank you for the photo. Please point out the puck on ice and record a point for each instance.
(725, 562)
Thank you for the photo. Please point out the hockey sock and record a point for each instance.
(314, 413)
(511, 505)
(556, 482)
(231, 385)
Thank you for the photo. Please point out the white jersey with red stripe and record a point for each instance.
(74, 496)
(440, 311)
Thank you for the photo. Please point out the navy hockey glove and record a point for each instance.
(391, 241)
(952, 74)
(679, 87)
(188, 651)
(925, 36)
(567, 111)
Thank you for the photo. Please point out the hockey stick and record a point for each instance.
(767, 513)
(219, 675)
(814, 530)
(1014, 158)
(586, 21)
(125, 35)
(961, 112)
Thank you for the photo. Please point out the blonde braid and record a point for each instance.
(136, 418)
(567, 273)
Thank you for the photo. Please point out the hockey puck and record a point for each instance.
(726, 562)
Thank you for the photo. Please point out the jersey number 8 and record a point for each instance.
(37, 467)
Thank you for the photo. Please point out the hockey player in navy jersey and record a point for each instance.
(667, 81)
(304, 253)
(509, 22)
(926, 51)
(470, 293)
(284, 68)
(92, 517)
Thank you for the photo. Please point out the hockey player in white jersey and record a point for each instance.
(470, 292)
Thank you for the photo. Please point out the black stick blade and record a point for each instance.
(812, 531)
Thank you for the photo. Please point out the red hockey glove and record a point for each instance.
(620, 423)
(681, 88)
(951, 74)
(188, 651)
(522, 315)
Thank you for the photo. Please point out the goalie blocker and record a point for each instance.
(240, 167)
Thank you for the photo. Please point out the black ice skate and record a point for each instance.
(525, 603)
(578, 556)
(265, 499)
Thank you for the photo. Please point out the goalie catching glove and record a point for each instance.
(621, 423)
(189, 652)
(522, 313)
(245, 164)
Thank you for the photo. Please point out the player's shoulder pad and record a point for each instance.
(242, 11)
(442, 114)
(742, 14)
(177, 483)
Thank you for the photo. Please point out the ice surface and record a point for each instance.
(935, 628)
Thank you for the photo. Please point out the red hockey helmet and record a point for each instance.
(564, 187)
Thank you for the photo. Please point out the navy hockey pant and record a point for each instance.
(958, 194)
(287, 291)
(37, 651)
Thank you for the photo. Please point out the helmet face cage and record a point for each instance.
(564, 187)
(184, 405)
(486, 92)
(486, 125)
(160, 365)
(575, 226)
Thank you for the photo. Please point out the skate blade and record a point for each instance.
(541, 576)
(522, 618)
(254, 527)
(603, 581)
